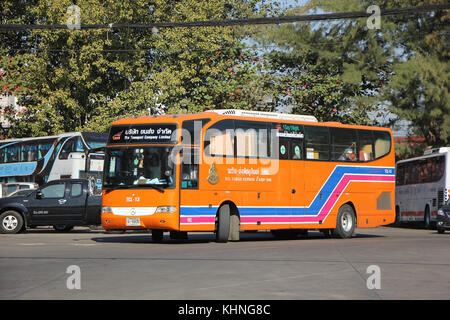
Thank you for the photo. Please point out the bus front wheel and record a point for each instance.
(223, 224)
(346, 222)
(157, 235)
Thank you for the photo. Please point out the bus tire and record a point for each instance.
(346, 222)
(427, 218)
(397, 216)
(223, 224)
(11, 222)
(157, 235)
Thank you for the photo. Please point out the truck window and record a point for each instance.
(76, 190)
(54, 191)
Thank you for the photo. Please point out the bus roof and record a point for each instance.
(429, 154)
(436, 151)
(247, 115)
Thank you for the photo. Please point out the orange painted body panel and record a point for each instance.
(277, 194)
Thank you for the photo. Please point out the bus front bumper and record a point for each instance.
(157, 220)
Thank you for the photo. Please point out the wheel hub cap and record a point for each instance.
(10, 222)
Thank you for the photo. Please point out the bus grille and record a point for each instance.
(440, 198)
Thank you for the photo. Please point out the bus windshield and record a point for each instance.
(139, 167)
(95, 140)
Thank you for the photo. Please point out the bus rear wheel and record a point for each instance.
(427, 218)
(346, 222)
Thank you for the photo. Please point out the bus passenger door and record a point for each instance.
(297, 185)
(192, 215)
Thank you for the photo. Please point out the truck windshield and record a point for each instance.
(138, 167)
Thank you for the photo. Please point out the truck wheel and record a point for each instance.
(223, 224)
(11, 222)
(346, 222)
(62, 227)
(157, 235)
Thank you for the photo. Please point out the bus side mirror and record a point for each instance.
(39, 194)
(168, 173)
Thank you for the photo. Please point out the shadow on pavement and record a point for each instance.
(210, 237)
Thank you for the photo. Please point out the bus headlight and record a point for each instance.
(165, 209)
(440, 213)
(106, 209)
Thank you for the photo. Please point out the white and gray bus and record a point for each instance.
(42, 159)
(422, 186)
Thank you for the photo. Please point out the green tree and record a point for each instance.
(352, 73)
(84, 79)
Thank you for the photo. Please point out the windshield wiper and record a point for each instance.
(134, 186)
(153, 186)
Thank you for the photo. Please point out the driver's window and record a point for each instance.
(53, 191)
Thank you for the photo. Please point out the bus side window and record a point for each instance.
(296, 149)
(382, 142)
(252, 139)
(189, 168)
(2, 155)
(365, 145)
(13, 153)
(317, 143)
(400, 174)
(283, 148)
(343, 144)
(192, 130)
(29, 152)
(43, 148)
(219, 139)
(72, 145)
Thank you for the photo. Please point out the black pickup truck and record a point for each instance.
(443, 217)
(62, 204)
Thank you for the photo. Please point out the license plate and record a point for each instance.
(133, 222)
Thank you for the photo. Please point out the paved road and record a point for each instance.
(413, 264)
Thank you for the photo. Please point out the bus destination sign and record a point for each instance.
(289, 130)
(146, 133)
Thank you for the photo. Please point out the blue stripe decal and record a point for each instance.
(17, 169)
(326, 190)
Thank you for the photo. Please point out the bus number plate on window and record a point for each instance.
(133, 222)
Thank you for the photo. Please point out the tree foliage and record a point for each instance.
(342, 70)
(84, 79)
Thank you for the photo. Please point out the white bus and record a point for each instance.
(422, 186)
(42, 159)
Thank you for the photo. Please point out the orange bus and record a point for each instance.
(227, 171)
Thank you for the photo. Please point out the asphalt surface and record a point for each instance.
(412, 264)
